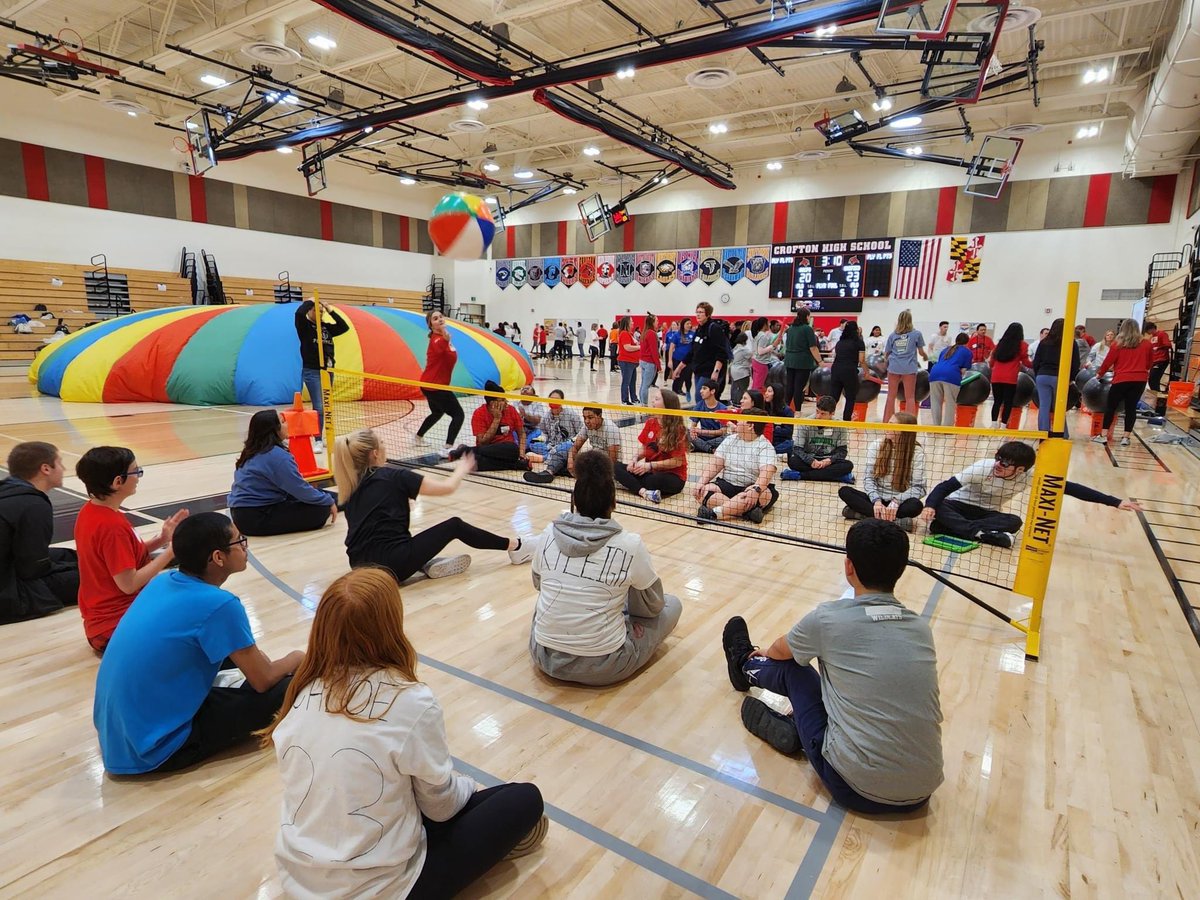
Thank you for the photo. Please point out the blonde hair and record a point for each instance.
(895, 458)
(904, 322)
(358, 630)
(351, 460)
(1130, 335)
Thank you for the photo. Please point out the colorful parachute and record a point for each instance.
(209, 355)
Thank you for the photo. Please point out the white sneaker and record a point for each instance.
(444, 452)
(524, 551)
(421, 440)
(444, 566)
(1125, 441)
(1100, 439)
(318, 445)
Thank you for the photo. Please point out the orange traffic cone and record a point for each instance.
(302, 427)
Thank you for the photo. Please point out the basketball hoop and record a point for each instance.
(73, 48)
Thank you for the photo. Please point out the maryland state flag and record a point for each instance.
(587, 270)
(570, 271)
(625, 267)
(965, 258)
(687, 266)
(733, 264)
(758, 263)
(644, 267)
(551, 270)
(534, 272)
(710, 266)
(606, 270)
(519, 273)
(664, 271)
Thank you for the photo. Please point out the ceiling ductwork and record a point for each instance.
(271, 48)
(1167, 125)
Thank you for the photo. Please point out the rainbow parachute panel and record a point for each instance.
(213, 355)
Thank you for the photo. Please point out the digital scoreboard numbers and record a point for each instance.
(827, 276)
(832, 276)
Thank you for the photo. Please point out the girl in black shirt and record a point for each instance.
(848, 354)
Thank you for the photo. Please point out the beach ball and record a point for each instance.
(462, 226)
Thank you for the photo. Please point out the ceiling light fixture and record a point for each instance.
(192, 126)
(368, 129)
(914, 151)
(625, 72)
(718, 128)
(284, 150)
(845, 86)
(131, 113)
(408, 181)
(569, 190)
(591, 151)
(1095, 76)
(490, 165)
(1087, 131)
(774, 166)
(493, 201)
(321, 42)
(522, 172)
(905, 122)
(214, 81)
(883, 103)
(477, 104)
(825, 30)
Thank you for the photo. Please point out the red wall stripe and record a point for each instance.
(1162, 198)
(945, 210)
(97, 184)
(629, 226)
(326, 220)
(404, 229)
(510, 241)
(562, 238)
(1097, 200)
(705, 227)
(779, 229)
(37, 187)
(198, 197)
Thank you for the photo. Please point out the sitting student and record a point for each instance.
(375, 499)
(499, 436)
(893, 479)
(661, 467)
(532, 412)
(819, 451)
(35, 578)
(598, 431)
(560, 425)
(269, 496)
(357, 719)
(707, 433)
(747, 461)
(604, 612)
(870, 722)
(782, 434)
(156, 709)
(752, 399)
(114, 563)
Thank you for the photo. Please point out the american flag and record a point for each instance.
(916, 269)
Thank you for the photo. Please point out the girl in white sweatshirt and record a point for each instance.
(371, 804)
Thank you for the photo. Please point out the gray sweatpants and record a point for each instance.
(622, 662)
(943, 392)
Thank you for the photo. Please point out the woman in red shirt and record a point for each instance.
(661, 467)
(1129, 358)
(628, 356)
(440, 358)
(1010, 353)
(649, 358)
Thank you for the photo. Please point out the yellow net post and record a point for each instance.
(1046, 494)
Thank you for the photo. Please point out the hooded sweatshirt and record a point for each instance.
(584, 570)
(26, 529)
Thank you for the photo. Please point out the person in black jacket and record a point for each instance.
(35, 578)
(310, 364)
(1045, 370)
(710, 349)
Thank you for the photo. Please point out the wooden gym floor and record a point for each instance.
(1078, 775)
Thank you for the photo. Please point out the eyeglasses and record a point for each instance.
(1005, 464)
(134, 473)
(243, 542)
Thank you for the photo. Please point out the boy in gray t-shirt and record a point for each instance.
(870, 722)
(597, 431)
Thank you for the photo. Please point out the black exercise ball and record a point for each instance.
(877, 363)
(1084, 376)
(1095, 393)
(868, 389)
(974, 390)
(820, 382)
(983, 369)
(776, 376)
(1026, 388)
(922, 387)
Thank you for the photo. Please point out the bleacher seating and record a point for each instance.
(264, 292)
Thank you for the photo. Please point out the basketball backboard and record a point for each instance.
(199, 138)
(917, 18)
(990, 168)
(313, 168)
(958, 72)
(596, 219)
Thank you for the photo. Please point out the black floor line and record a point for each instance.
(1185, 604)
(1183, 543)
(1150, 450)
(1169, 525)
(1172, 502)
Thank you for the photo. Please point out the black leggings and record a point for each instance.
(497, 457)
(1156, 373)
(1129, 392)
(668, 483)
(226, 718)
(442, 403)
(1002, 401)
(683, 384)
(835, 471)
(794, 383)
(847, 386)
(861, 503)
(280, 518)
(462, 849)
(407, 558)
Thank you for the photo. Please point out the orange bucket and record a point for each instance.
(1179, 394)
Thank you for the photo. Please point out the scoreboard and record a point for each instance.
(832, 276)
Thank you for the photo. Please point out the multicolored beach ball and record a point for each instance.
(462, 226)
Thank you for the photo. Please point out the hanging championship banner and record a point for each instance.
(519, 273)
(643, 269)
(606, 270)
(587, 270)
(966, 256)
(710, 266)
(664, 269)
(687, 266)
(551, 271)
(570, 271)
(758, 263)
(625, 266)
(733, 264)
(534, 273)
(503, 273)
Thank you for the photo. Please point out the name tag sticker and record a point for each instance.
(883, 613)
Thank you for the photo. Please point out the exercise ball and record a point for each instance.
(1095, 393)
(922, 387)
(1026, 389)
(461, 226)
(777, 376)
(868, 389)
(983, 369)
(975, 389)
(1084, 376)
(820, 382)
(877, 363)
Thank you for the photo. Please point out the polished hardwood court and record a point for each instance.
(1074, 776)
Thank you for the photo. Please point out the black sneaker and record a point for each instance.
(754, 514)
(996, 539)
(735, 640)
(704, 514)
(538, 477)
(852, 515)
(777, 730)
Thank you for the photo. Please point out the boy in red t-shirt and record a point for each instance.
(499, 436)
(114, 563)
(1160, 347)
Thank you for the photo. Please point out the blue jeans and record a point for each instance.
(802, 686)
(648, 372)
(1047, 389)
(312, 380)
(629, 372)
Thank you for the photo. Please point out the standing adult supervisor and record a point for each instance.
(710, 349)
(849, 357)
(801, 354)
(440, 359)
(332, 325)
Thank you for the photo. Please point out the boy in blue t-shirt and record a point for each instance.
(707, 432)
(155, 707)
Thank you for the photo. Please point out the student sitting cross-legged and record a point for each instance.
(499, 436)
(372, 806)
(893, 479)
(870, 721)
(601, 611)
(156, 709)
(819, 451)
(114, 563)
(708, 432)
(559, 426)
(269, 496)
(661, 467)
(601, 433)
(738, 480)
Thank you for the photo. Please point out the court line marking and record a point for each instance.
(935, 592)
(611, 842)
(1181, 597)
